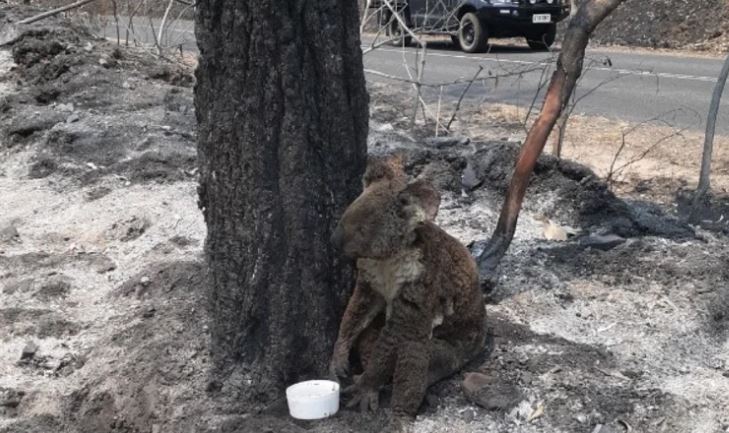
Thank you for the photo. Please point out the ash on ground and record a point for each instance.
(623, 326)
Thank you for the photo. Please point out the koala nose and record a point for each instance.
(337, 238)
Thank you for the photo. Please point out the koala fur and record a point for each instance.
(417, 314)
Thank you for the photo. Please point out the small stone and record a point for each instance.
(469, 179)
(105, 266)
(491, 394)
(10, 397)
(144, 281)
(88, 47)
(65, 107)
(527, 377)
(9, 234)
(443, 142)
(73, 118)
(29, 351)
(602, 242)
(149, 312)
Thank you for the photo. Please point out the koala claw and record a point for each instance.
(339, 365)
(364, 397)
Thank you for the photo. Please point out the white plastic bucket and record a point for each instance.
(313, 399)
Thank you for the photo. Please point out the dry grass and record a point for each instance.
(652, 151)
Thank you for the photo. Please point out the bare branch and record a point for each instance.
(460, 99)
(162, 24)
(56, 11)
(564, 79)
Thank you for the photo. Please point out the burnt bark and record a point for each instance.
(281, 105)
(561, 86)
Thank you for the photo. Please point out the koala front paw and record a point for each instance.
(365, 397)
(339, 365)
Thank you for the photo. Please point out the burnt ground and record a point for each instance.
(684, 24)
(103, 324)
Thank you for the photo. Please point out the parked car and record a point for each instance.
(471, 23)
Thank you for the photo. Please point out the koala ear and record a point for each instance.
(419, 201)
(427, 197)
(387, 167)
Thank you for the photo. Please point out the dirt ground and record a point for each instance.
(623, 327)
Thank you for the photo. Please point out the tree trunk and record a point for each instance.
(569, 68)
(281, 105)
(705, 174)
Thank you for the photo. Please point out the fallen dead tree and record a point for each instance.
(564, 79)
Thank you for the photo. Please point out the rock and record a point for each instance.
(73, 118)
(443, 142)
(29, 351)
(44, 166)
(601, 242)
(56, 287)
(65, 107)
(491, 394)
(10, 398)
(22, 286)
(9, 234)
(103, 264)
(469, 179)
(39, 121)
(144, 281)
(68, 364)
(96, 193)
(128, 230)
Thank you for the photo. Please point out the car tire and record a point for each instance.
(542, 39)
(394, 31)
(472, 34)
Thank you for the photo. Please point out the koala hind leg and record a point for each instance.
(409, 381)
(449, 357)
(420, 365)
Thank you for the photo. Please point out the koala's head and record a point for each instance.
(384, 169)
(382, 220)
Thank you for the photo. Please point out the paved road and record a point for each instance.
(634, 86)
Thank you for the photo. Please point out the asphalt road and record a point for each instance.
(633, 85)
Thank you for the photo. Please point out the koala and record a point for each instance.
(416, 314)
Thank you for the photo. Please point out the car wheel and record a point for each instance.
(472, 34)
(543, 39)
(395, 32)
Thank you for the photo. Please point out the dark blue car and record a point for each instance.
(470, 23)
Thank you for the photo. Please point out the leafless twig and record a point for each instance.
(613, 170)
(460, 99)
(162, 25)
(56, 11)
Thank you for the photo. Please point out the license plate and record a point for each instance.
(541, 18)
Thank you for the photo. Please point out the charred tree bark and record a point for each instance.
(282, 110)
(569, 68)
